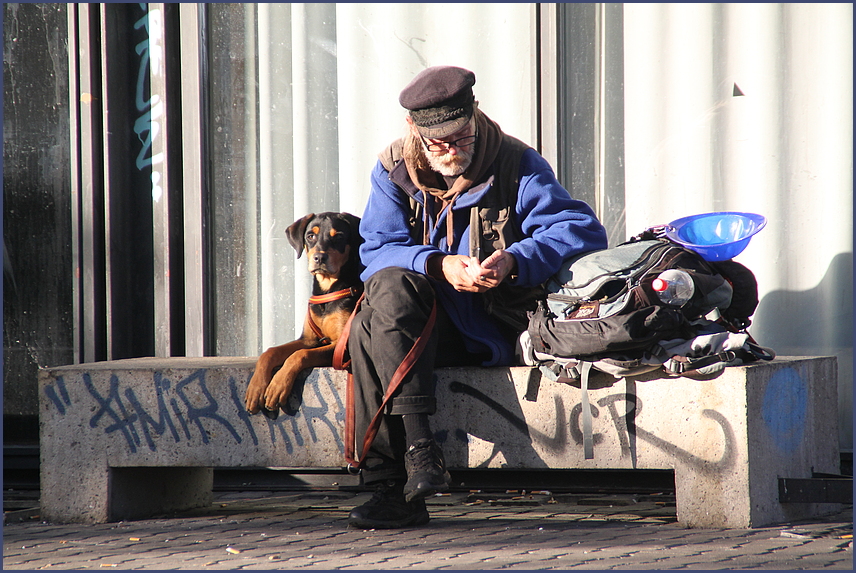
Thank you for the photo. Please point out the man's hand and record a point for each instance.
(467, 274)
(501, 263)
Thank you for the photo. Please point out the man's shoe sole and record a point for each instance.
(420, 518)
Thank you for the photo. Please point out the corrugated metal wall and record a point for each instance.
(749, 107)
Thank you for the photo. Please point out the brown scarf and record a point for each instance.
(425, 178)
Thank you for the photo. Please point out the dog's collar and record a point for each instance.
(331, 296)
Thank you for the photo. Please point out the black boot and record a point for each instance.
(426, 470)
(387, 509)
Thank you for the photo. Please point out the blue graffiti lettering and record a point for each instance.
(241, 409)
(322, 414)
(51, 394)
(784, 408)
(207, 409)
(163, 422)
(63, 391)
(144, 124)
(180, 416)
(151, 52)
(123, 420)
(62, 400)
(179, 409)
(276, 426)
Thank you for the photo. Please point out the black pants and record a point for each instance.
(393, 314)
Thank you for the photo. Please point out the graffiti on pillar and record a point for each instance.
(147, 125)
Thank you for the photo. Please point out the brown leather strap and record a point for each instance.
(397, 378)
(350, 424)
(331, 296)
(325, 298)
(339, 361)
(316, 329)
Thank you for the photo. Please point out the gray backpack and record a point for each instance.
(602, 312)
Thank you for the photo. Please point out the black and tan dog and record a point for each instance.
(331, 241)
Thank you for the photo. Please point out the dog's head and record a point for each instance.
(331, 241)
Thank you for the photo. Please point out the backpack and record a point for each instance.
(602, 312)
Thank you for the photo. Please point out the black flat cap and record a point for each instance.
(440, 100)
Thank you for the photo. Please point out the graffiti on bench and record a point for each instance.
(187, 409)
(624, 424)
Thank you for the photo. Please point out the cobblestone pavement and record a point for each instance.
(534, 530)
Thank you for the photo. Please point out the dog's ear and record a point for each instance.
(354, 222)
(295, 232)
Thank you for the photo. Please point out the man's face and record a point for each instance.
(451, 159)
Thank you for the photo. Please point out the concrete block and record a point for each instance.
(728, 439)
(129, 438)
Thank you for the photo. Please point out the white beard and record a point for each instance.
(450, 165)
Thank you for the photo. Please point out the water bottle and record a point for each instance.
(674, 287)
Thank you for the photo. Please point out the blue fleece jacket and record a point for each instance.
(554, 225)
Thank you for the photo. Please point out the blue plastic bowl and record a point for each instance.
(716, 236)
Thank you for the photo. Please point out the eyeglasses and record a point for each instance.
(445, 145)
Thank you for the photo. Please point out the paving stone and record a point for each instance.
(458, 537)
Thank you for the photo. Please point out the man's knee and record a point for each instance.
(398, 288)
(360, 328)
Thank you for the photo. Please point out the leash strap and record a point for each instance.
(339, 360)
(342, 363)
(316, 329)
(397, 378)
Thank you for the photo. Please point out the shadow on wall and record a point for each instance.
(821, 317)
(816, 322)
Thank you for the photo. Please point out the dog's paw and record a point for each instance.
(277, 392)
(254, 403)
(254, 398)
(270, 414)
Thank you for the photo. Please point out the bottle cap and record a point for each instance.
(659, 285)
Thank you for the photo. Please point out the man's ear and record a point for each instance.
(295, 232)
(412, 126)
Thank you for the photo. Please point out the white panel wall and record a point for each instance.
(783, 149)
(381, 47)
(344, 65)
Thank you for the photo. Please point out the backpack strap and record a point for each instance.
(678, 365)
(588, 438)
(391, 154)
(751, 352)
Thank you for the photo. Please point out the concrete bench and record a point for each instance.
(130, 438)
